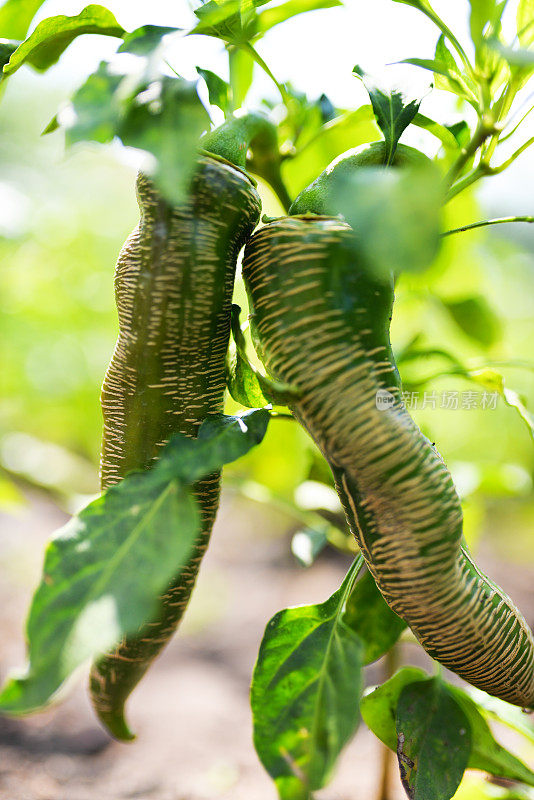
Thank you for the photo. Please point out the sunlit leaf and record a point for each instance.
(486, 753)
(525, 22)
(241, 74)
(218, 89)
(16, 16)
(305, 692)
(379, 706)
(53, 35)
(433, 740)
(143, 41)
(369, 616)
(274, 16)
(485, 14)
(90, 594)
(392, 110)
(441, 132)
(510, 715)
(450, 80)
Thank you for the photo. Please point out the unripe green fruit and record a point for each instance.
(317, 197)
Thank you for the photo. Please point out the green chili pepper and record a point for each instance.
(174, 282)
(322, 324)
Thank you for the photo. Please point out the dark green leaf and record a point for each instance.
(90, 594)
(274, 16)
(370, 617)
(486, 753)
(218, 90)
(433, 740)
(399, 210)
(393, 112)
(53, 35)
(476, 319)
(167, 120)
(16, 16)
(305, 692)
(7, 48)
(143, 41)
(379, 707)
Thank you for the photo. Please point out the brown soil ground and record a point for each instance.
(191, 712)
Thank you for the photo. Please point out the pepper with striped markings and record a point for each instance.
(174, 283)
(321, 324)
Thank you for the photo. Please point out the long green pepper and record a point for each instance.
(174, 282)
(321, 323)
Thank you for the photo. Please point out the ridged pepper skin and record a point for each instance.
(173, 283)
(321, 324)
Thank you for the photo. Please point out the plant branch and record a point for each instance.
(482, 132)
(386, 763)
(484, 223)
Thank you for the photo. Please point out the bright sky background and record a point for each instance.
(316, 52)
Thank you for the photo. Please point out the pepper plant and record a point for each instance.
(361, 214)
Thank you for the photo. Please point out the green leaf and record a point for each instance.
(510, 715)
(274, 16)
(53, 35)
(243, 383)
(476, 319)
(486, 753)
(90, 594)
(305, 691)
(167, 120)
(246, 385)
(233, 21)
(97, 108)
(445, 78)
(434, 740)
(379, 707)
(16, 16)
(370, 617)
(393, 112)
(525, 22)
(218, 90)
(399, 210)
(441, 132)
(143, 41)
